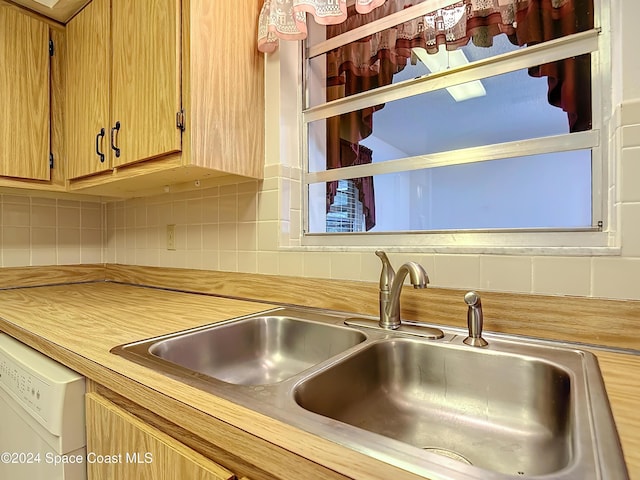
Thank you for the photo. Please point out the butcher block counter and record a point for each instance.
(78, 324)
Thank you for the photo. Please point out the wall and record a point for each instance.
(253, 226)
(48, 231)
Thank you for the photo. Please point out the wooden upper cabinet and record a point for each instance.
(198, 58)
(225, 87)
(24, 95)
(123, 84)
(87, 99)
(145, 74)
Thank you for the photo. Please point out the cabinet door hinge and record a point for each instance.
(51, 160)
(180, 120)
(51, 48)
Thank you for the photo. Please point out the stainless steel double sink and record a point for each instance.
(439, 408)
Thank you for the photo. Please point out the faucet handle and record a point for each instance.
(474, 320)
(387, 274)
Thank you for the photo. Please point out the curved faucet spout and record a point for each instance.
(390, 313)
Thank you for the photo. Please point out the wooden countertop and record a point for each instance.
(78, 324)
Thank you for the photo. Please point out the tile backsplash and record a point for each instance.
(49, 231)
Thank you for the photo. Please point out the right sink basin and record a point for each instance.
(511, 414)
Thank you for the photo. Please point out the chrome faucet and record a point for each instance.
(391, 286)
(474, 320)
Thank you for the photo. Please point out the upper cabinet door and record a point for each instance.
(24, 95)
(87, 98)
(145, 79)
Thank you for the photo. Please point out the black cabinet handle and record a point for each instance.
(114, 131)
(98, 152)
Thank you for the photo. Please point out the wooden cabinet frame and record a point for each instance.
(222, 89)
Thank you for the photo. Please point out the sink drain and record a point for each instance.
(448, 453)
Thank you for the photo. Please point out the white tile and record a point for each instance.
(229, 260)
(250, 187)
(505, 273)
(210, 260)
(16, 199)
(630, 225)
(248, 236)
(284, 234)
(268, 236)
(630, 136)
(16, 215)
(285, 199)
(44, 201)
(291, 264)
(90, 255)
(268, 263)
(231, 189)
(346, 265)
(43, 216)
(456, 271)
(247, 262)
(43, 238)
(295, 229)
(210, 192)
(111, 216)
(562, 275)
(210, 210)
(16, 238)
(155, 239)
(630, 112)
(129, 216)
(248, 207)
(69, 203)
(228, 236)
(194, 211)
(173, 258)
(69, 256)
(140, 214)
(228, 208)
(16, 257)
(179, 212)
(193, 259)
(317, 264)
(165, 214)
(616, 278)
(90, 238)
(210, 237)
(120, 217)
(268, 205)
(370, 267)
(44, 256)
(194, 237)
(629, 179)
(91, 215)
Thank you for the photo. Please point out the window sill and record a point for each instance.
(570, 243)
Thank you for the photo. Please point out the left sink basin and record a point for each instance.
(259, 350)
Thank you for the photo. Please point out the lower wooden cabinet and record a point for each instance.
(120, 446)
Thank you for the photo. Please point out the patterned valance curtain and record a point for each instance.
(287, 19)
(379, 56)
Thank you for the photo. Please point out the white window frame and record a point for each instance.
(599, 239)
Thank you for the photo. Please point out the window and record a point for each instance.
(456, 117)
(344, 213)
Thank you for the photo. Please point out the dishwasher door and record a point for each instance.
(41, 416)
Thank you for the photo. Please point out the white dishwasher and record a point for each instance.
(42, 419)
